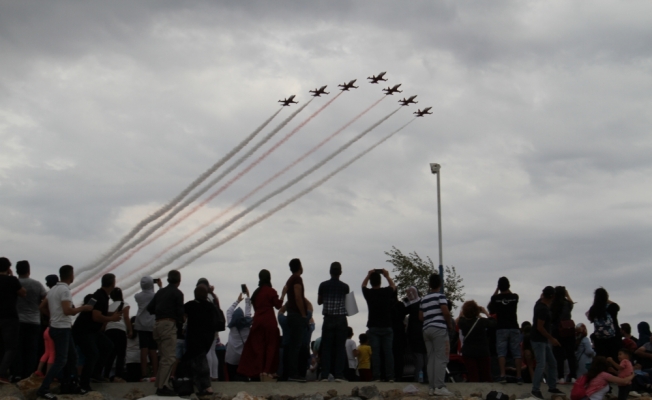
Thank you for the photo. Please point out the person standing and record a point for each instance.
(475, 350)
(58, 306)
(603, 314)
(351, 355)
(10, 290)
(118, 332)
(260, 352)
(30, 322)
(436, 319)
(239, 324)
(297, 320)
(332, 295)
(167, 308)
(415, 341)
(563, 329)
(145, 326)
(379, 321)
(88, 332)
(542, 342)
(504, 305)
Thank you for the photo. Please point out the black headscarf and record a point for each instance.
(264, 279)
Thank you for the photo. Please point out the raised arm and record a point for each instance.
(389, 280)
(247, 306)
(365, 282)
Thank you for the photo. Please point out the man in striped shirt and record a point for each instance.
(436, 321)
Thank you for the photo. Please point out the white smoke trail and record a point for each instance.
(133, 289)
(190, 199)
(211, 234)
(165, 208)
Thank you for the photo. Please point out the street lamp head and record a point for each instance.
(434, 168)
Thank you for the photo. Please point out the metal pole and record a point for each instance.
(436, 169)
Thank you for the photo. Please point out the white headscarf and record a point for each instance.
(412, 296)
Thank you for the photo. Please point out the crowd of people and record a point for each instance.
(176, 343)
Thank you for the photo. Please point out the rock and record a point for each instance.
(411, 398)
(316, 396)
(396, 393)
(355, 391)
(457, 393)
(332, 393)
(10, 392)
(247, 396)
(368, 392)
(476, 394)
(279, 397)
(134, 394)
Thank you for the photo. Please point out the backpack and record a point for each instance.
(604, 327)
(578, 392)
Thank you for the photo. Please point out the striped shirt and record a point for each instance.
(431, 307)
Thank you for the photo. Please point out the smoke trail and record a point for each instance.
(179, 197)
(144, 236)
(96, 269)
(214, 232)
(269, 213)
(239, 201)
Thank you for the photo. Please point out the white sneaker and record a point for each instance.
(442, 391)
(431, 392)
(634, 394)
(561, 381)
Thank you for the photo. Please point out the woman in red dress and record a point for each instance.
(260, 355)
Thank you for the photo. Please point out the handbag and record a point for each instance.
(350, 304)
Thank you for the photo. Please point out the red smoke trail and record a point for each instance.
(254, 191)
(209, 198)
(131, 287)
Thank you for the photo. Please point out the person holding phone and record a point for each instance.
(118, 332)
(239, 324)
(145, 326)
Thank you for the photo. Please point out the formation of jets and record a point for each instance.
(288, 101)
(392, 90)
(422, 113)
(375, 79)
(346, 86)
(409, 100)
(319, 92)
(350, 85)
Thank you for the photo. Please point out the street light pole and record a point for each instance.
(436, 169)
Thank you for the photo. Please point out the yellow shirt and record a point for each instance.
(364, 356)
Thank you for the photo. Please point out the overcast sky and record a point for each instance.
(541, 116)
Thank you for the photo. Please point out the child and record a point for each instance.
(351, 354)
(624, 369)
(364, 359)
(598, 379)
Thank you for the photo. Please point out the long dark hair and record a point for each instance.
(264, 279)
(598, 366)
(599, 307)
(558, 303)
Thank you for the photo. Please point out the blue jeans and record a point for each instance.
(333, 340)
(65, 359)
(380, 339)
(543, 355)
(95, 347)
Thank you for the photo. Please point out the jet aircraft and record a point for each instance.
(410, 100)
(392, 90)
(375, 79)
(288, 101)
(347, 86)
(319, 92)
(422, 113)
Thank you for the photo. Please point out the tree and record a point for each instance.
(412, 270)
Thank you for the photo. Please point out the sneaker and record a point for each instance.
(561, 381)
(340, 380)
(634, 394)
(555, 391)
(442, 391)
(166, 392)
(324, 380)
(502, 379)
(573, 380)
(431, 392)
(519, 381)
(537, 394)
(46, 395)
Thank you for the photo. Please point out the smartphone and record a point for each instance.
(380, 271)
(157, 280)
(243, 287)
(92, 302)
(122, 304)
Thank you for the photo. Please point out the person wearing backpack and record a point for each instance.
(603, 314)
(595, 384)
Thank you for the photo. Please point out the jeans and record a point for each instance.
(333, 340)
(95, 347)
(380, 340)
(9, 328)
(119, 339)
(28, 343)
(296, 330)
(438, 347)
(544, 356)
(65, 359)
(196, 368)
